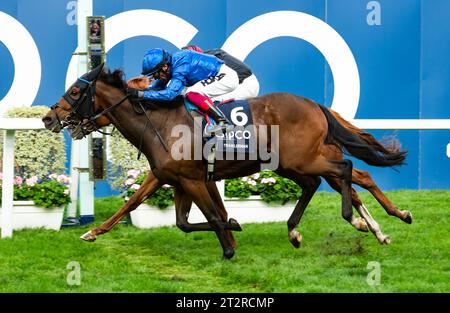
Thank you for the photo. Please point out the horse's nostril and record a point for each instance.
(47, 120)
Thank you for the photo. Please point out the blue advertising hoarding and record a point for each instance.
(401, 50)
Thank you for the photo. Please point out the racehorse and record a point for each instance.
(307, 130)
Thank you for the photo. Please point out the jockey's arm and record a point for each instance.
(173, 89)
(157, 85)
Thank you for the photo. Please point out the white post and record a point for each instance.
(72, 209)
(80, 155)
(8, 182)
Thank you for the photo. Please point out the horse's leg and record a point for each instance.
(215, 195)
(359, 223)
(368, 220)
(199, 193)
(149, 186)
(363, 179)
(309, 185)
(341, 169)
(183, 204)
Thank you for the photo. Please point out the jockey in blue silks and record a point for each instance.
(205, 78)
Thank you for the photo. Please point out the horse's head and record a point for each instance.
(76, 109)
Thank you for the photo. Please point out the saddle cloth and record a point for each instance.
(241, 139)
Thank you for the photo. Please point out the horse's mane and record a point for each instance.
(116, 79)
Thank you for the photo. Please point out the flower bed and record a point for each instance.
(261, 197)
(39, 202)
(267, 186)
(50, 192)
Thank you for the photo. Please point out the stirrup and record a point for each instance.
(220, 128)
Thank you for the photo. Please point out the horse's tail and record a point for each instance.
(360, 144)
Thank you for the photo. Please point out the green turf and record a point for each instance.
(333, 256)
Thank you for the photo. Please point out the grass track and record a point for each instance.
(333, 256)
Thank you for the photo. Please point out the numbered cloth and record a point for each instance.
(242, 138)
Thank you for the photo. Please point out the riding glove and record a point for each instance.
(135, 93)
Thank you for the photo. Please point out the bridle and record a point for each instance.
(83, 107)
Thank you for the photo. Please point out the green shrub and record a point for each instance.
(36, 152)
(52, 191)
(268, 185)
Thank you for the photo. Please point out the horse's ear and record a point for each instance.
(98, 70)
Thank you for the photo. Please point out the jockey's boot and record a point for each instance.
(222, 124)
(206, 105)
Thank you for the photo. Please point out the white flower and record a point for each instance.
(255, 176)
(135, 186)
(129, 182)
(66, 191)
(251, 182)
(269, 180)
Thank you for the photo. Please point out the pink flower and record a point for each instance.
(135, 186)
(31, 181)
(133, 173)
(1, 176)
(63, 179)
(18, 180)
(66, 191)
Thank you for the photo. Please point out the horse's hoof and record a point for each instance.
(228, 254)
(408, 218)
(89, 236)
(385, 240)
(295, 238)
(361, 225)
(234, 224)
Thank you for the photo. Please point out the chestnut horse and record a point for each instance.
(306, 130)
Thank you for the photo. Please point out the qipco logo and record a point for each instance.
(240, 44)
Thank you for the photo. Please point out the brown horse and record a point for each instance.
(305, 131)
(361, 178)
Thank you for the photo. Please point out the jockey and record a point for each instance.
(206, 77)
(248, 83)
